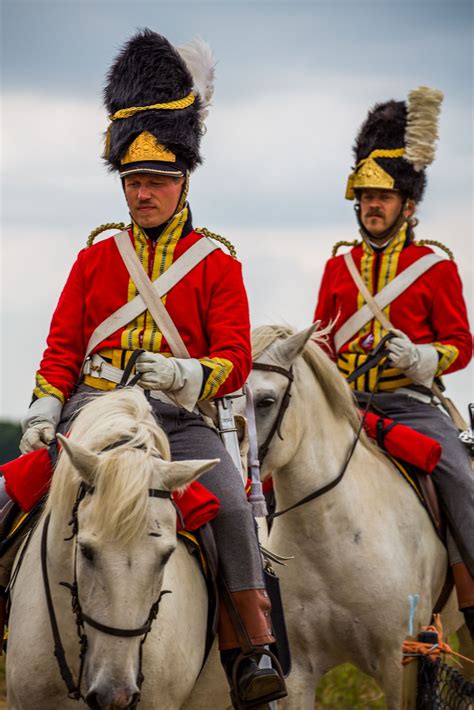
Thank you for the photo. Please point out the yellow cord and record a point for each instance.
(343, 243)
(103, 228)
(434, 243)
(220, 239)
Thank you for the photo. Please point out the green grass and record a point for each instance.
(346, 688)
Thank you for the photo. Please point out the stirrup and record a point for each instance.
(270, 679)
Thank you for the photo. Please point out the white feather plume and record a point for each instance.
(421, 131)
(200, 62)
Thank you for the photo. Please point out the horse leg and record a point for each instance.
(301, 684)
(390, 681)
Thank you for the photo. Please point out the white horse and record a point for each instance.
(115, 473)
(361, 548)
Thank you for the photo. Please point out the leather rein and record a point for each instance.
(74, 688)
(378, 354)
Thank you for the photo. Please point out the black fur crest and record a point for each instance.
(149, 70)
(385, 128)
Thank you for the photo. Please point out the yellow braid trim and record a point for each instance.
(384, 153)
(132, 110)
(343, 243)
(434, 243)
(218, 238)
(103, 228)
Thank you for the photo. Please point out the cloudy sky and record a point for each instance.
(294, 82)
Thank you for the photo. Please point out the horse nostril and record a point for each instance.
(119, 700)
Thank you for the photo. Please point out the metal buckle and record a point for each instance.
(91, 369)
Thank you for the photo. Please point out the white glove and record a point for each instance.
(39, 424)
(418, 362)
(182, 377)
(158, 372)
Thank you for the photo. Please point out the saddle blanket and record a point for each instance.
(27, 480)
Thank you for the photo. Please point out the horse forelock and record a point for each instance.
(332, 383)
(122, 420)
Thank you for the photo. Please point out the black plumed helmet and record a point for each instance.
(157, 98)
(396, 143)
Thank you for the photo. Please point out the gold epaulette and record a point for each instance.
(218, 238)
(103, 228)
(343, 243)
(434, 243)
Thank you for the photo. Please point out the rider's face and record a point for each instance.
(379, 209)
(152, 199)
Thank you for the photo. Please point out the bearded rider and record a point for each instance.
(157, 98)
(425, 311)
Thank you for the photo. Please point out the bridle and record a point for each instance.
(378, 354)
(74, 688)
(285, 401)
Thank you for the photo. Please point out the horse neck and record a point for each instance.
(319, 458)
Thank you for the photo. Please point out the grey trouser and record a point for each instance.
(452, 476)
(234, 526)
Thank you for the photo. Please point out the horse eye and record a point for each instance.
(87, 552)
(265, 402)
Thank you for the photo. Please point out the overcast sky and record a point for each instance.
(294, 82)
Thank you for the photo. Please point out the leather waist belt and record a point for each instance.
(426, 398)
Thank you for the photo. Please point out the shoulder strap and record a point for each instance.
(162, 285)
(410, 275)
(149, 295)
(374, 304)
(369, 299)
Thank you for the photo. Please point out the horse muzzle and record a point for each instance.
(112, 697)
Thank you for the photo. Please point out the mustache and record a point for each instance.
(375, 213)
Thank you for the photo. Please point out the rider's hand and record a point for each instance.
(403, 352)
(418, 362)
(158, 372)
(181, 376)
(39, 424)
(37, 436)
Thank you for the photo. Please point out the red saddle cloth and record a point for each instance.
(404, 443)
(27, 479)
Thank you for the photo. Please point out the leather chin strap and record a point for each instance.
(389, 233)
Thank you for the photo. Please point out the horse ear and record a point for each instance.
(176, 474)
(286, 351)
(84, 461)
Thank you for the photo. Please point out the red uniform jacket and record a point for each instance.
(432, 310)
(209, 307)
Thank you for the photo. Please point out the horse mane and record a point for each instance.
(335, 388)
(123, 476)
